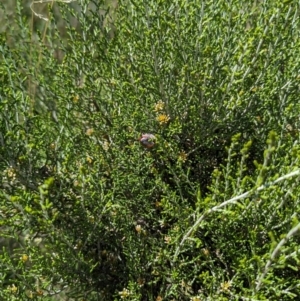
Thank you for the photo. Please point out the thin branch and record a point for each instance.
(232, 201)
(46, 1)
(275, 253)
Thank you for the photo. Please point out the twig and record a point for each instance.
(275, 253)
(232, 201)
(46, 1)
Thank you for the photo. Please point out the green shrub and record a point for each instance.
(210, 212)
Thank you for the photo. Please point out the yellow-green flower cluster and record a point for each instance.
(225, 286)
(159, 106)
(161, 117)
(182, 156)
(125, 293)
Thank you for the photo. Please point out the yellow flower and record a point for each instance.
(225, 286)
(13, 289)
(195, 299)
(89, 159)
(75, 98)
(159, 106)
(11, 173)
(138, 229)
(124, 294)
(89, 132)
(24, 257)
(205, 251)
(182, 156)
(163, 118)
(167, 239)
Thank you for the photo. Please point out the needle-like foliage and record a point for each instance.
(210, 211)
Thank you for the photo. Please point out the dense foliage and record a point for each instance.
(211, 211)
